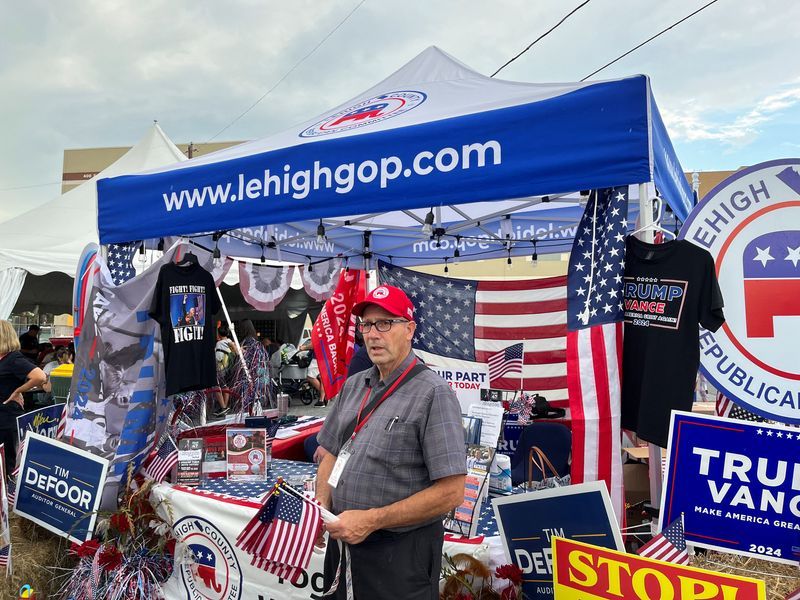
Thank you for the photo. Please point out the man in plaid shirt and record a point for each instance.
(396, 461)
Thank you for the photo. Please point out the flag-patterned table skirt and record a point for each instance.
(294, 472)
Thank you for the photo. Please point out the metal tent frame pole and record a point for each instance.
(647, 235)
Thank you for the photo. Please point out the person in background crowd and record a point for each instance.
(270, 345)
(47, 353)
(29, 343)
(401, 461)
(61, 357)
(17, 375)
(225, 355)
(360, 360)
(312, 373)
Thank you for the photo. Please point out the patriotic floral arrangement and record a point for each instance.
(132, 554)
(467, 578)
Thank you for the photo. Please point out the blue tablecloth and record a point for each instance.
(293, 472)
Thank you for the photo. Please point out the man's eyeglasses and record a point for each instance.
(382, 325)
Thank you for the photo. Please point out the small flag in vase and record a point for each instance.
(669, 545)
(281, 536)
(166, 457)
(11, 490)
(5, 556)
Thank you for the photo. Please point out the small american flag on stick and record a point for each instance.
(282, 534)
(165, 458)
(669, 545)
(5, 557)
(506, 363)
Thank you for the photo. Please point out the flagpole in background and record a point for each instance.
(522, 372)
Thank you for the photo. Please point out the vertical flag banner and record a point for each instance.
(117, 405)
(594, 341)
(333, 333)
(736, 483)
(461, 322)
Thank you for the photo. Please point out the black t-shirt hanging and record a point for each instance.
(184, 304)
(670, 290)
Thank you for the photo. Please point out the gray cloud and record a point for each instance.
(95, 73)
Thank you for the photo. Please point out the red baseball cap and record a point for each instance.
(391, 299)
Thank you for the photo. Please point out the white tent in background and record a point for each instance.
(50, 237)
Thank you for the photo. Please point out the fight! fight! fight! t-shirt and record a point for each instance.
(670, 289)
(184, 304)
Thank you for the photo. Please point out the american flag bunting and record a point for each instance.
(594, 341)
(669, 545)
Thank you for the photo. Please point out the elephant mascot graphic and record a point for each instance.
(205, 566)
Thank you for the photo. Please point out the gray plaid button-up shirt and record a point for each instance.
(391, 462)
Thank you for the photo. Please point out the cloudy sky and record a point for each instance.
(78, 74)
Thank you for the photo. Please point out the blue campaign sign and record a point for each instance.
(528, 521)
(508, 441)
(59, 487)
(42, 420)
(737, 484)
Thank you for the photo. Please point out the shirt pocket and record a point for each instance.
(394, 442)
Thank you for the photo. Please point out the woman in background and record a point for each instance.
(17, 375)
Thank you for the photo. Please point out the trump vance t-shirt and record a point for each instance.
(670, 290)
(184, 304)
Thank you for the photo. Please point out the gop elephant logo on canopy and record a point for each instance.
(750, 223)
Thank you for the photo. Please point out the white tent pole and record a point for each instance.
(646, 234)
(235, 337)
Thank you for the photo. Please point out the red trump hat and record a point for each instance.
(391, 299)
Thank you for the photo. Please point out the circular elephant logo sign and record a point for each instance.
(750, 223)
(214, 573)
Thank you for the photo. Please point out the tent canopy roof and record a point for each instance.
(434, 134)
(51, 237)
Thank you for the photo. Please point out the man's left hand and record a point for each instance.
(353, 526)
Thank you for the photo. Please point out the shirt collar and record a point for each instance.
(375, 374)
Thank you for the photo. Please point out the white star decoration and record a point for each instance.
(763, 255)
(793, 255)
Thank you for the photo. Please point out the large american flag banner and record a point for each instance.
(669, 545)
(461, 322)
(594, 341)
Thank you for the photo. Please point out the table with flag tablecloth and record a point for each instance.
(294, 473)
(211, 517)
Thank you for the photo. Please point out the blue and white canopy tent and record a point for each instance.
(434, 158)
(435, 146)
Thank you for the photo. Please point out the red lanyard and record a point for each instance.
(359, 422)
